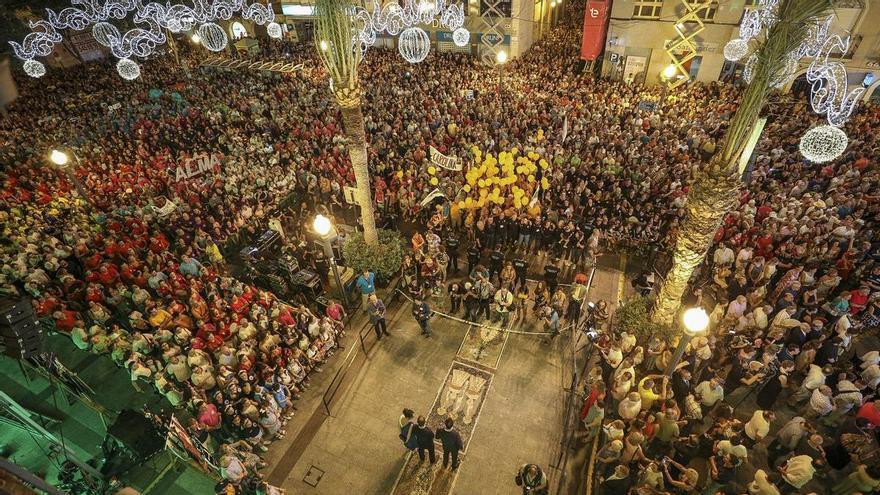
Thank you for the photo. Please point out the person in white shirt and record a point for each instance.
(709, 392)
(758, 427)
(820, 403)
(733, 447)
(798, 471)
(723, 256)
(629, 408)
(815, 377)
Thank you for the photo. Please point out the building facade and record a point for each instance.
(639, 31)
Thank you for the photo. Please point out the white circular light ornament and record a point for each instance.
(104, 32)
(823, 143)
(414, 44)
(128, 69)
(34, 68)
(736, 49)
(213, 36)
(274, 30)
(461, 37)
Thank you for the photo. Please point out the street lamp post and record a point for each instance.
(60, 159)
(325, 230)
(500, 60)
(668, 73)
(695, 321)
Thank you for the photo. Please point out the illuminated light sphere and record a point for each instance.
(104, 32)
(414, 44)
(196, 38)
(823, 143)
(461, 37)
(736, 49)
(34, 68)
(128, 69)
(501, 57)
(695, 320)
(213, 36)
(322, 225)
(274, 30)
(324, 45)
(670, 71)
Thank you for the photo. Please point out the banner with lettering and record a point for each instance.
(197, 165)
(595, 18)
(447, 162)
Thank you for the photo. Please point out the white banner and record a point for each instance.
(197, 165)
(447, 162)
(436, 193)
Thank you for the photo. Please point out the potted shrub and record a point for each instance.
(383, 259)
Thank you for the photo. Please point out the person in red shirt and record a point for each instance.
(871, 412)
(859, 300)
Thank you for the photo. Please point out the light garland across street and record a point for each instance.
(151, 19)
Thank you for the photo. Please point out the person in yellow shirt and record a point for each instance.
(646, 391)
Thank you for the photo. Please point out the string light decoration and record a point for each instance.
(461, 37)
(829, 92)
(34, 68)
(736, 49)
(213, 36)
(105, 33)
(396, 19)
(414, 44)
(823, 143)
(128, 69)
(151, 20)
(273, 29)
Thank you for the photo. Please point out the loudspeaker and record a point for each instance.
(22, 334)
(137, 434)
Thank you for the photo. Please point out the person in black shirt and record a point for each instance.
(525, 233)
(452, 443)
(424, 440)
(521, 266)
(496, 260)
(456, 296)
(473, 258)
(537, 237)
(550, 275)
(452, 252)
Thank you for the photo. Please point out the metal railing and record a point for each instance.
(349, 359)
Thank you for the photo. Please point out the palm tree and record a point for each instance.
(714, 186)
(341, 54)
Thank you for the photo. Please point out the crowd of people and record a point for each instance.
(134, 267)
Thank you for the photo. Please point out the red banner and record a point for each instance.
(594, 29)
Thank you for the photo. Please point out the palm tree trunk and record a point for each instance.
(353, 120)
(714, 186)
(710, 198)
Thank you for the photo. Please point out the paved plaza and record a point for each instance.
(506, 391)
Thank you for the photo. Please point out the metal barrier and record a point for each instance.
(349, 359)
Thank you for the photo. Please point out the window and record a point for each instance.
(647, 9)
(752, 4)
(706, 11)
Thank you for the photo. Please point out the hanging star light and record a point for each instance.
(414, 44)
(273, 29)
(736, 49)
(34, 68)
(128, 69)
(461, 37)
(213, 36)
(823, 143)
